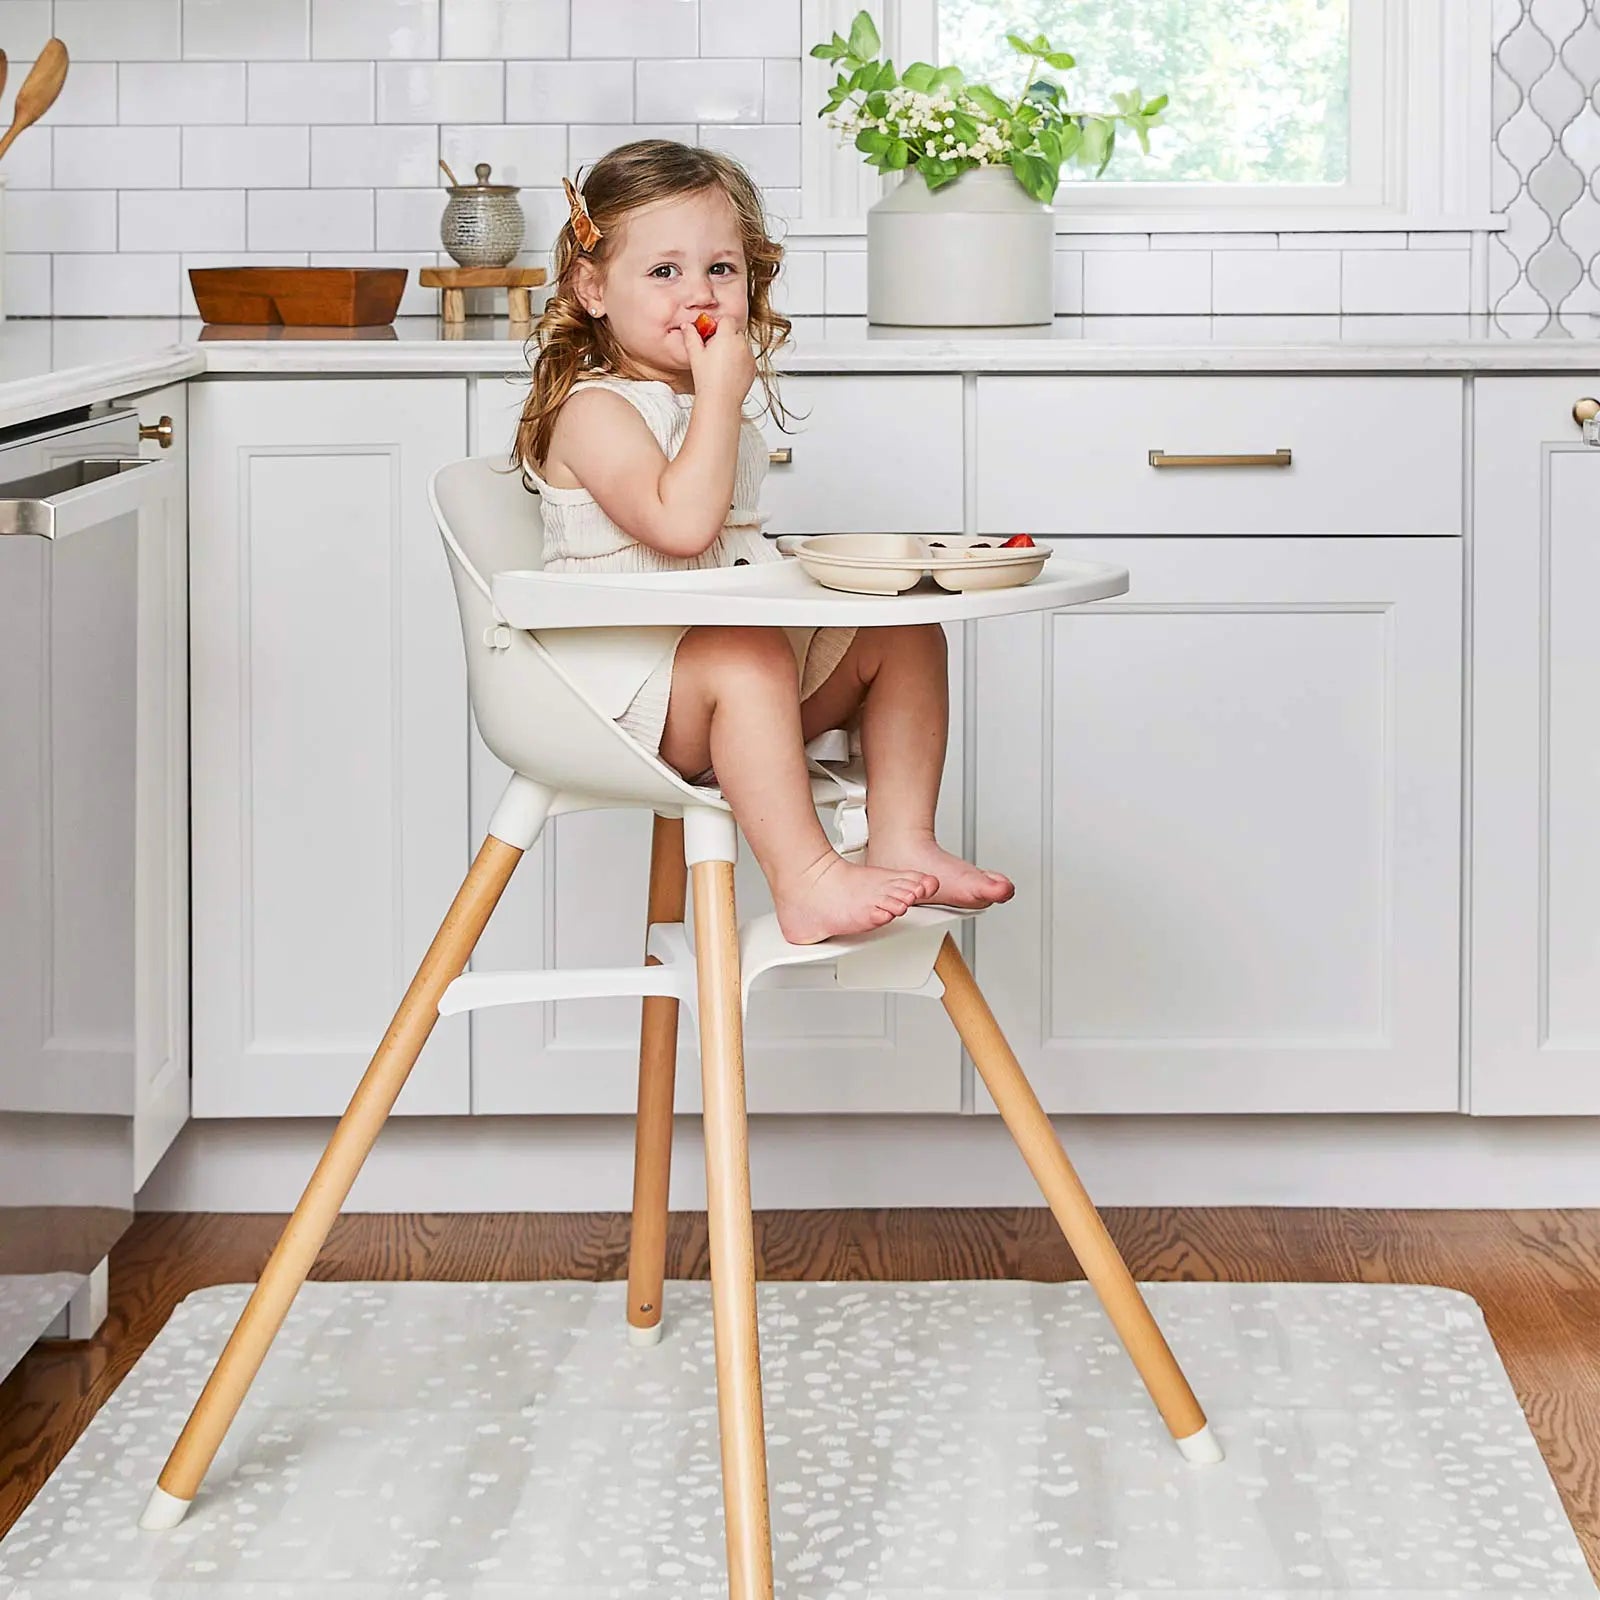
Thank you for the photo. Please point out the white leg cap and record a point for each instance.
(163, 1511)
(1201, 1449)
(643, 1338)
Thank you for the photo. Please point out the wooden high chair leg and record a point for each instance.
(1099, 1257)
(658, 1061)
(307, 1229)
(733, 1265)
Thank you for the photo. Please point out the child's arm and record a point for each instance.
(677, 506)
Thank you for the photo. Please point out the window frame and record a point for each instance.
(1419, 92)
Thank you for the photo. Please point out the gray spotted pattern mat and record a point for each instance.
(441, 1441)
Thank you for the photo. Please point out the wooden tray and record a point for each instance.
(325, 297)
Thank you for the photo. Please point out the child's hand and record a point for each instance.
(722, 362)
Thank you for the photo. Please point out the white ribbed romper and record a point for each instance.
(578, 535)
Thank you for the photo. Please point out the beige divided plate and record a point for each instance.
(889, 563)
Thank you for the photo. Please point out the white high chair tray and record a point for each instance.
(775, 594)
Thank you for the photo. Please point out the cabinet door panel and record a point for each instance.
(329, 729)
(1230, 800)
(1535, 860)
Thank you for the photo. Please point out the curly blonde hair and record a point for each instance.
(570, 342)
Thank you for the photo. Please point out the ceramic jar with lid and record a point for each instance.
(482, 224)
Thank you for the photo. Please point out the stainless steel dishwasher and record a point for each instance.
(78, 510)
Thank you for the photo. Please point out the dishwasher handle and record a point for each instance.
(76, 495)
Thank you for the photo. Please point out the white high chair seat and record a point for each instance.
(537, 645)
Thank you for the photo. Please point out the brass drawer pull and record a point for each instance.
(1278, 458)
(782, 457)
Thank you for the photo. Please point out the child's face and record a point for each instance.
(675, 259)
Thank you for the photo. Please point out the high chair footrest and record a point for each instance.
(474, 990)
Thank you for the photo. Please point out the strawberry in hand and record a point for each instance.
(705, 326)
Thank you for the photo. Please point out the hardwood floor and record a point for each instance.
(1536, 1275)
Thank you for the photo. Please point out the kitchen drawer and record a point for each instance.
(879, 453)
(1071, 455)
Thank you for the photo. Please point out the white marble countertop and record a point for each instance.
(53, 365)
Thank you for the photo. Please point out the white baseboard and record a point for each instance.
(808, 1163)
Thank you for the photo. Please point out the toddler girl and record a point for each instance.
(635, 438)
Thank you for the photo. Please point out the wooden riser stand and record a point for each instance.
(455, 281)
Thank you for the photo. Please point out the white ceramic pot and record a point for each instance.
(977, 253)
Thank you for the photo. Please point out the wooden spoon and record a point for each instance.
(39, 90)
(5, 67)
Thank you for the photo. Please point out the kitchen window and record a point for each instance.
(1285, 114)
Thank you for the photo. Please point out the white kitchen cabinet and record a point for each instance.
(1230, 800)
(329, 736)
(1367, 454)
(161, 962)
(578, 899)
(1534, 969)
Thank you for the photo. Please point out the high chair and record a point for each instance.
(566, 754)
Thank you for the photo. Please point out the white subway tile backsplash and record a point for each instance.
(567, 91)
(781, 90)
(1392, 329)
(229, 258)
(699, 91)
(1305, 281)
(88, 96)
(61, 219)
(440, 91)
(1406, 280)
(306, 219)
(529, 154)
(1068, 277)
(30, 163)
(24, 27)
(771, 155)
(1341, 241)
(1213, 241)
(506, 28)
(1105, 241)
(376, 157)
(1165, 282)
(1145, 329)
(1439, 241)
(292, 92)
(253, 158)
(27, 285)
(119, 30)
(587, 142)
(798, 290)
(782, 205)
(115, 286)
(844, 284)
(375, 30)
(241, 30)
(408, 219)
(743, 28)
(635, 27)
(180, 219)
(1271, 330)
(164, 93)
(115, 158)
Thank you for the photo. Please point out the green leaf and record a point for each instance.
(982, 96)
(1060, 60)
(897, 155)
(887, 76)
(864, 41)
(950, 77)
(824, 52)
(874, 141)
(1154, 108)
(919, 76)
(1036, 176)
(1045, 89)
(1019, 44)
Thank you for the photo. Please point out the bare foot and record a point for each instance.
(834, 896)
(960, 883)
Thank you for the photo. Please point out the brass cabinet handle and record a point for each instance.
(1278, 458)
(161, 431)
(782, 457)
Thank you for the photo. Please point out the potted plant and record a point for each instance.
(968, 237)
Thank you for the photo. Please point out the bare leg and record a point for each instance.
(897, 677)
(736, 706)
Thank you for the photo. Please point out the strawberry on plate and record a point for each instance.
(1018, 541)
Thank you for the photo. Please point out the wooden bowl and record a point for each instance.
(305, 297)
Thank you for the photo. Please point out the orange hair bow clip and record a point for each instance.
(583, 226)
